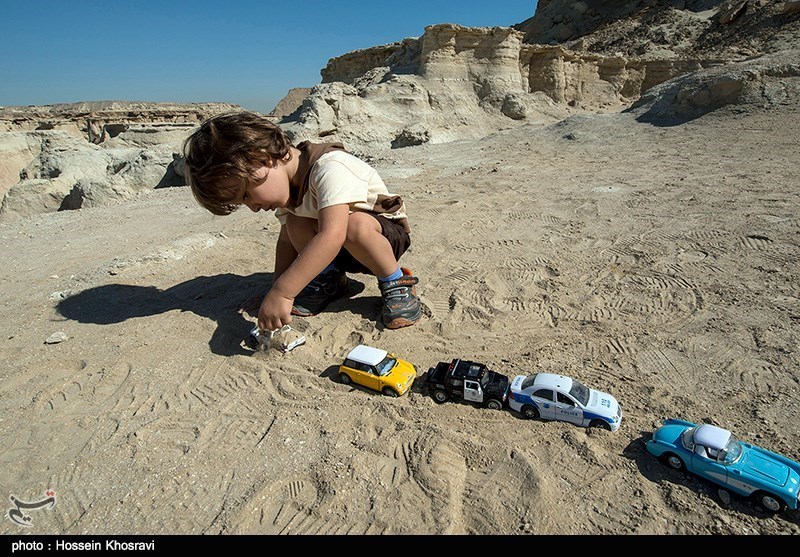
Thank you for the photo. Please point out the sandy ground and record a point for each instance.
(659, 264)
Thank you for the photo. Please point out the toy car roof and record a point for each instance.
(553, 381)
(367, 354)
(465, 369)
(712, 436)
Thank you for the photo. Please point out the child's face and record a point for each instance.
(267, 188)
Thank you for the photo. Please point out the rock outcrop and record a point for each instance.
(451, 83)
(763, 83)
(59, 171)
(68, 156)
(456, 82)
(672, 29)
(593, 55)
(290, 103)
(100, 121)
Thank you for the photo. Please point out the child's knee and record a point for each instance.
(300, 224)
(300, 230)
(361, 227)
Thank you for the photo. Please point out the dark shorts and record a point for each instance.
(395, 233)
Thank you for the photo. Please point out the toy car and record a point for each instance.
(551, 396)
(285, 339)
(470, 381)
(378, 370)
(716, 454)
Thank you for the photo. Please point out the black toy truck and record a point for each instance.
(470, 381)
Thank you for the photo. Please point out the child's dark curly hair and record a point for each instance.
(230, 145)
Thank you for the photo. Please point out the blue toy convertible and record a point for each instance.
(714, 453)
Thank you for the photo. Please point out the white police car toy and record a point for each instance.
(550, 396)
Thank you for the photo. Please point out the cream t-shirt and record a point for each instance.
(341, 178)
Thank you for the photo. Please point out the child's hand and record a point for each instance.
(275, 311)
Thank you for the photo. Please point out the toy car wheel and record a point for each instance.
(388, 391)
(439, 396)
(770, 503)
(494, 404)
(600, 424)
(345, 379)
(673, 461)
(530, 412)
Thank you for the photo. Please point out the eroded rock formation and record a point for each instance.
(67, 156)
(673, 29)
(456, 82)
(763, 83)
(100, 121)
(59, 171)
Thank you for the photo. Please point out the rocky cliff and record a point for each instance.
(456, 82)
(98, 121)
(726, 29)
(594, 55)
(68, 156)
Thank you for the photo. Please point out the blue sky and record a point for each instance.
(244, 52)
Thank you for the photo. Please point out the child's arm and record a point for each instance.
(276, 308)
(285, 254)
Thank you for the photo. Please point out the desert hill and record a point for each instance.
(725, 29)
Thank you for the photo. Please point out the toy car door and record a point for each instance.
(544, 403)
(567, 410)
(473, 391)
(704, 463)
(365, 374)
(373, 378)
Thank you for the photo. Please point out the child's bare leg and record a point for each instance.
(301, 230)
(327, 286)
(367, 244)
(365, 241)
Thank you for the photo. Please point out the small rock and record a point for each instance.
(724, 496)
(55, 338)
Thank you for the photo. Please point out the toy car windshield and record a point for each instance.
(386, 365)
(733, 451)
(580, 392)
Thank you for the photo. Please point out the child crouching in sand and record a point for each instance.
(336, 215)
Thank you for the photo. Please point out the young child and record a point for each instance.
(336, 215)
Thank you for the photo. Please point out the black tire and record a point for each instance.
(769, 502)
(494, 404)
(388, 391)
(600, 424)
(673, 461)
(530, 412)
(439, 396)
(345, 379)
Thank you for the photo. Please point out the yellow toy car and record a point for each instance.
(378, 370)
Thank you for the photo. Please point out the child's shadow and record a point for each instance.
(218, 297)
